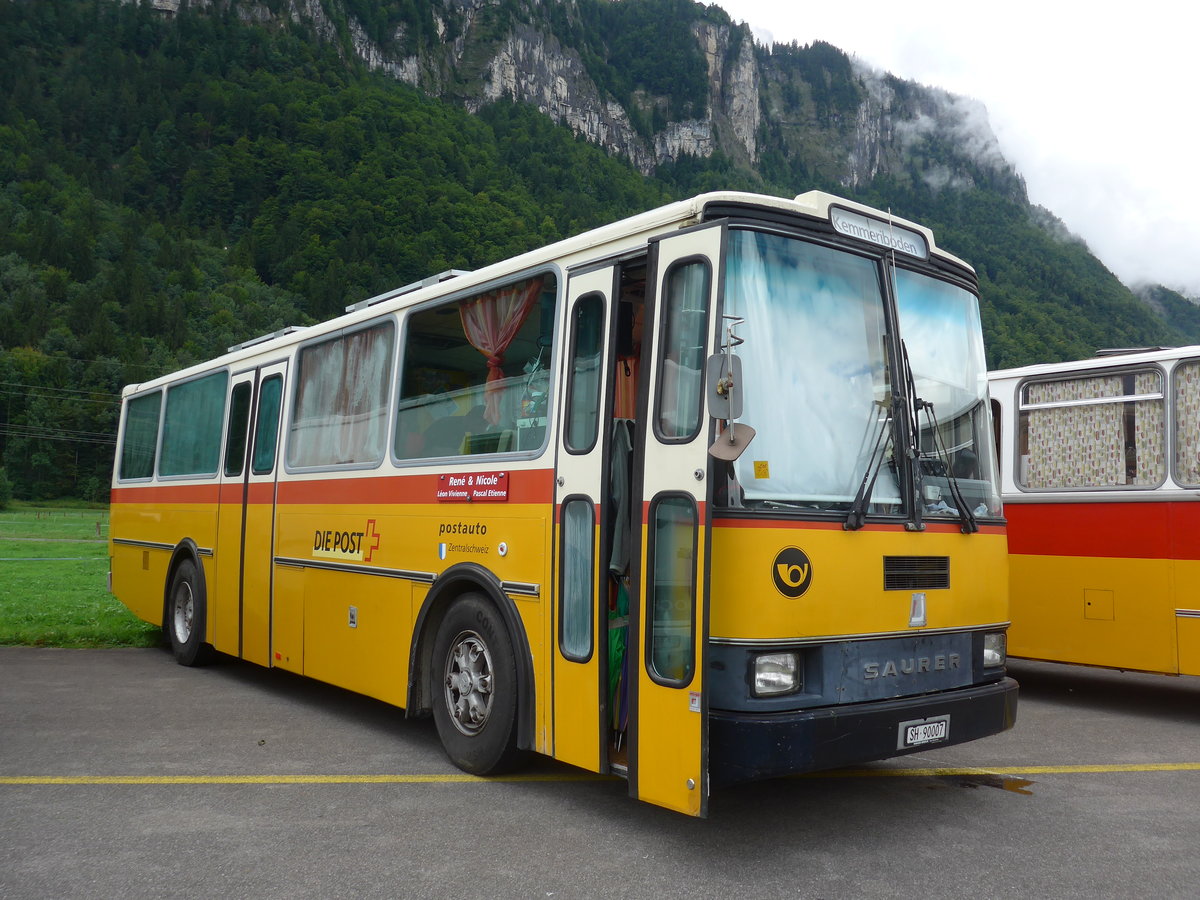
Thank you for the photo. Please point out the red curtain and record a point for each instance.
(491, 322)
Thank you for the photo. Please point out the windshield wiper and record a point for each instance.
(857, 517)
(969, 523)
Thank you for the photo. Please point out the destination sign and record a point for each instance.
(877, 231)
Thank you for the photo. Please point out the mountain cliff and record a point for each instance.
(655, 81)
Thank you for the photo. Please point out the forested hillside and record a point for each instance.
(172, 184)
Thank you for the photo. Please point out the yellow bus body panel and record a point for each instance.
(1187, 572)
(576, 731)
(1097, 611)
(256, 584)
(140, 572)
(354, 629)
(348, 628)
(671, 771)
(846, 595)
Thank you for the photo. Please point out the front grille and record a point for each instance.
(916, 573)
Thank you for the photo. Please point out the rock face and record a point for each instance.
(844, 121)
(532, 67)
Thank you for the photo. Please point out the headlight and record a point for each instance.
(995, 649)
(776, 673)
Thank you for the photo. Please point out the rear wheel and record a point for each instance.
(186, 616)
(474, 686)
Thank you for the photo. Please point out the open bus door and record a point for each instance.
(669, 740)
(580, 636)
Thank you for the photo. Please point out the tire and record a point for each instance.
(187, 616)
(474, 687)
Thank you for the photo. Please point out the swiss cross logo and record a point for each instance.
(371, 543)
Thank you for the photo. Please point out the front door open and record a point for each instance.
(669, 740)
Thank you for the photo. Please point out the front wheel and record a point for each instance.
(186, 616)
(474, 686)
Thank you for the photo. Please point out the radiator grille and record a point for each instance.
(916, 573)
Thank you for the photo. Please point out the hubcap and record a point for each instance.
(469, 683)
(184, 609)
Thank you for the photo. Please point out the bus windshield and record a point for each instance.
(817, 384)
(940, 326)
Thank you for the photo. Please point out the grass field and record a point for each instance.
(53, 582)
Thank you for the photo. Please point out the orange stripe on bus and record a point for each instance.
(527, 486)
(260, 493)
(167, 493)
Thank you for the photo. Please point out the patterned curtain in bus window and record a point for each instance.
(1150, 424)
(490, 322)
(1075, 446)
(363, 396)
(1187, 423)
(341, 401)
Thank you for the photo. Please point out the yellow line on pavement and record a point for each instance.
(458, 778)
(449, 778)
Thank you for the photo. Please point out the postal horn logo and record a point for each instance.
(792, 572)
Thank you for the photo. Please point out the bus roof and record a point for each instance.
(1104, 359)
(616, 238)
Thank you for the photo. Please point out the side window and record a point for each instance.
(1093, 431)
(266, 428)
(192, 423)
(685, 321)
(583, 384)
(340, 411)
(140, 442)
(578, 568)
(1186, 413)
(239, 420)
(673, 541)
(476, 373)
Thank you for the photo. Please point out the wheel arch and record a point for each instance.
(457, 580)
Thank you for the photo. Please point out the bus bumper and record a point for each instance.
(752, 746)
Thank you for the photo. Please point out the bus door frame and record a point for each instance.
(258, 547)
(580, 705)
(669, 715)
(247, 508)
(224, 628)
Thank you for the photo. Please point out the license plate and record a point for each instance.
(923, 731)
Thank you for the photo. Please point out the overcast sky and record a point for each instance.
(1095, 104)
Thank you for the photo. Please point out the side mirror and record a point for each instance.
(724, 378)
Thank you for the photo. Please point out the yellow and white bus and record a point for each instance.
(702, 496)
(1100, 468)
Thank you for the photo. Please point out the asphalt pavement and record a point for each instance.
(124, 775)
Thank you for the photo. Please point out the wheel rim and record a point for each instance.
(183, 612)
(468, 683)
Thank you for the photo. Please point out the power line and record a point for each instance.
(57, 390)
(52, 429)
(33, 392)
(114, 362)
(43, 434)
